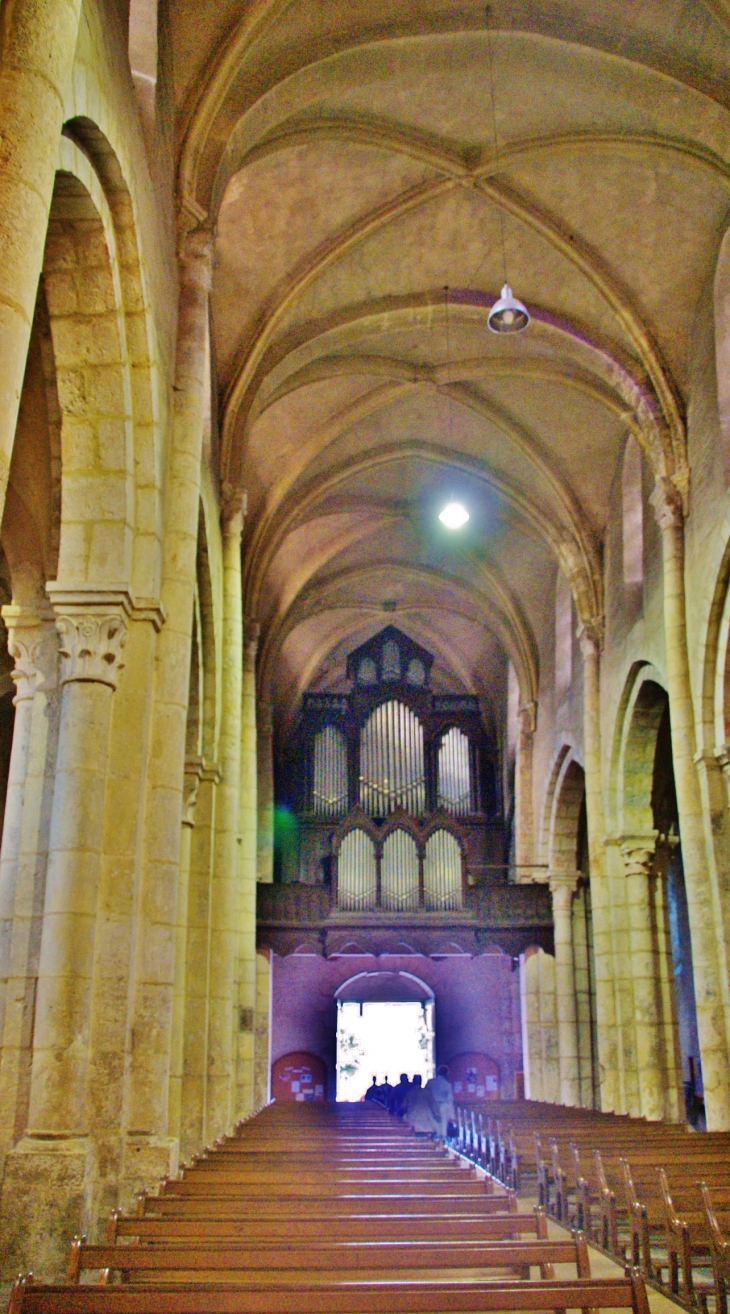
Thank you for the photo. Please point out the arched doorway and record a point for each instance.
(385, 1026)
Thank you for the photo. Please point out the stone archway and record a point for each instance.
(565, 849)
(649, 843)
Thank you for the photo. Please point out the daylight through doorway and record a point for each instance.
(382, 1040)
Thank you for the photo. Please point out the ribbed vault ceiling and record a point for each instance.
(344, 152)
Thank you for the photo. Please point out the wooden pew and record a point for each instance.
(628, 1292)
(326, 1261)
(718, 1229)
(350, 1228)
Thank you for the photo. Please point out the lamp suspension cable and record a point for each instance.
(508, 315)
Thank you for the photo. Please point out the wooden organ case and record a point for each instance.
(394, 787)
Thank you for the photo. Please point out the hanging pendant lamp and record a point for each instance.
(508, 315)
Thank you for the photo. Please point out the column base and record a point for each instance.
(46, 1190)
(147, 1160)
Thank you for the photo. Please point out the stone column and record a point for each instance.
(193, 1113)
(38, 45)
(703, 897)
(524, 819)
(193, 768)
(224, 910)
(265, 792)
(46, 1186)
(151, 1153)
(247, 1000)
(583, 996)
(262, 1034)
(638, 856)
(562, 888)
(674, 1110)
(600, 885)
(33, 642)
(23, 646)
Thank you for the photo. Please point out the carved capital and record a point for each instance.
(33, 645)
(590, 637)
(527, 717)
(234, 504)
(191, 785)
(667, 502)
(91, 647)
(264, 719)
(251, 632)
(195, 256)
(638, 852)
(92, 627)
(563, 885)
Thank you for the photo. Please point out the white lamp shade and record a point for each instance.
(508, 315)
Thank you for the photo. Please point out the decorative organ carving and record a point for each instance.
(391, 762)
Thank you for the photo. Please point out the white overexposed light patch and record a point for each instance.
(382, 1040)
(454, 515)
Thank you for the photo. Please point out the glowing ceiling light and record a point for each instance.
(508, 315)
(454, 515)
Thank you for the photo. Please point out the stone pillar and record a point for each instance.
(194, 1112)
(524, 819)
(247, 1000)
(600, 884)
(703, 896)
(46, 1188)
(562, 888)
(265, 792)
(193, 768)
(38, 45)
(23, 646)
(33, 642)
(583, 995)
(150, 1152)
(262, 1035)
(224, 909)
(674, 1110)
(638, 855)
(540, 1040)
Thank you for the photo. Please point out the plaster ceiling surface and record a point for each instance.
(366, 216)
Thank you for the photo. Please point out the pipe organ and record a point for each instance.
(394, 786)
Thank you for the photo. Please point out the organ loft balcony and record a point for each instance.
(394, 836)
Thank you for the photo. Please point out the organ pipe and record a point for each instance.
(442, 886)
(455, 780)
(329, 782)
(392, 770)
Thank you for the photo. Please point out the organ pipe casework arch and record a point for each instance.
(393, 784)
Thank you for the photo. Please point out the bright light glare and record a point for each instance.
(383, 1040)
(454, 516)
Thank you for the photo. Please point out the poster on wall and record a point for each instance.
(298, 1078)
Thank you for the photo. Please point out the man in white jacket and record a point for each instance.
(442, 1095)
